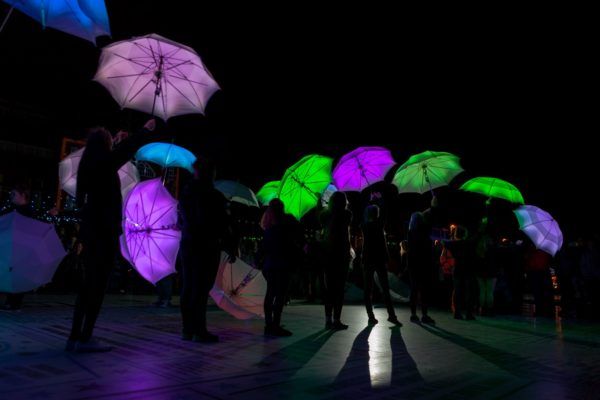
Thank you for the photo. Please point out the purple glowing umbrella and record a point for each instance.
(150, 239)
(541, 228)
(30, 252)
(361, 168)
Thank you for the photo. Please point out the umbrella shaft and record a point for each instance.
(6, 18)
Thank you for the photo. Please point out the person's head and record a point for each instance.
(371, 213)
(273, 215)
(416, 221)
(205, 170)
(99, 140)
(461, 233)
(338, 202)
(20, 196)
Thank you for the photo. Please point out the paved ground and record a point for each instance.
(499, 358)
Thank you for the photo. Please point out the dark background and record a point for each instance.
(512, 93)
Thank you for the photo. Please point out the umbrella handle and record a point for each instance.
(6, 18)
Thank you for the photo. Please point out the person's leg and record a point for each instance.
(282, 280)
(459, 302)
(187, 291)
(269, 298)
(368, 290)
(385, 288)
(100, 276)
(209, 267)
(414, 294)
(340, 288)
(84, 287)
(328, 290)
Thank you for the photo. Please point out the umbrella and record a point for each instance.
(86, 19)
(167, 155)
(239, 289)
(541, 228)
(399, 291)
(362, 167)
(150, 239)
(237, 192)
(30, 252)
(303, 184)
(156, 75)
(331, 189)
(426, 171)
(494, 187)
(67, 174)
(268, 192)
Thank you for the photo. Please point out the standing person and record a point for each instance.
(487, 262)
(100, 201)
(336, 245)
(464, 250)
(374, 260)
(420, 266)
(206, 231)
(280, 251)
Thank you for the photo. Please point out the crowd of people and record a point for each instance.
(469, 271)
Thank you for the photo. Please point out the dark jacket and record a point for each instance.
(336, 233)
(99, 193)
(374, 251)
(204, 219)
(281, 246)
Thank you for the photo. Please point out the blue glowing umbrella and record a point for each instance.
(86, 19)
(167, 155)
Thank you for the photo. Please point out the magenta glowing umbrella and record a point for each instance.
(541, 228)
(362, 167)
(150, 239)
(156, 75)
(239, 289)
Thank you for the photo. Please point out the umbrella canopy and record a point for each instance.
(67, 174)
(268, 192)
(235, 191)
(494, 187)
(303, 184)
(239, 289)
(86, 19)
(150, 239)
(156, 75)
(362, 167)
(167, 155)
(541, 228)
(426, 171)
(30, 252)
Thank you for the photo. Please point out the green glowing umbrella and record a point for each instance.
(303, 184)
(494, 187)
(426, 171)
(268, 192)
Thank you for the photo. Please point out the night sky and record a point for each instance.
(511, 97)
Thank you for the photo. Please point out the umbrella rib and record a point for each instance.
(181, 93)
(132, 60)
(140, 91)
(128, 75)
(144, 49)
(191, 86)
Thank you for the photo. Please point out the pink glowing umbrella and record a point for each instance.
(150, 239)
(239, 289)
(156, 75)
(362, 167)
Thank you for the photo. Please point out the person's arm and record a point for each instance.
(128, 144)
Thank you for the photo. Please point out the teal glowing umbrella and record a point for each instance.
(303, 184)
(167, 155)
(494, 188)
(426, 171)
(268, 192)
(235, 191)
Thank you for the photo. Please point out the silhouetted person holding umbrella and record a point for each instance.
(206, 231)
(100, 201)
(336, 242)
(281, 253)
(374, 260)
(420, 266)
